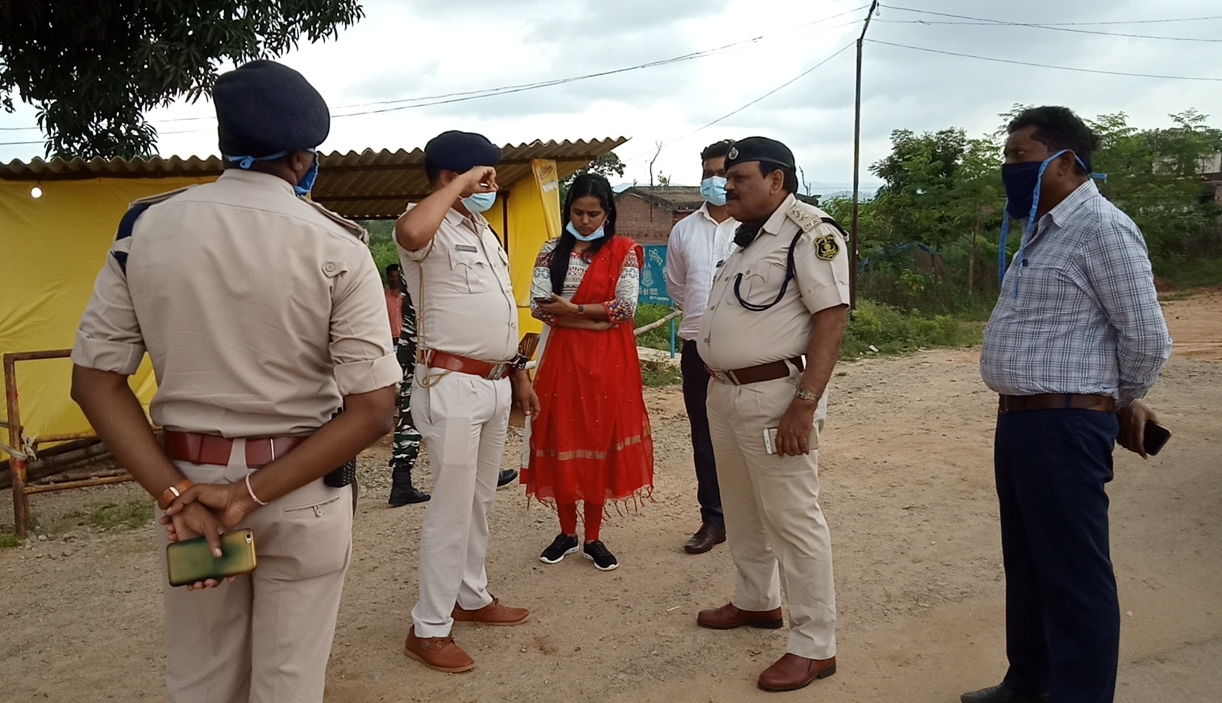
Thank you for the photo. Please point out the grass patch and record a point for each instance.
(891, 331)
(125, 516)
(659, 338)
(656, 374)
(1198, 273)
(9, 541)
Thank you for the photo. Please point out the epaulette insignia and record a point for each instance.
(804, 218)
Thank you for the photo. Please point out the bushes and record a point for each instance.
(890, 331)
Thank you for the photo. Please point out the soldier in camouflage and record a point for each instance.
(407, 437)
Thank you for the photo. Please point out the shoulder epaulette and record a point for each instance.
(349, 226)
(128, 224)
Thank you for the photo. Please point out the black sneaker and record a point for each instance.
(602, 557)
(560, 548)
(506, 477)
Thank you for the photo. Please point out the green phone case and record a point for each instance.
(192, 561)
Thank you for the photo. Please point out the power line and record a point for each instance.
(1053, 24)
(786, 84)
(1044, 65)
(448, 98)
(650, 64)
(560, 81)
(1050, 27)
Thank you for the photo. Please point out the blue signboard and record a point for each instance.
(653, 276)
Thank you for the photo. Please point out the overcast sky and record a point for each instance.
(409, 50)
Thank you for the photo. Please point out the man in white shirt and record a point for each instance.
(698, 244)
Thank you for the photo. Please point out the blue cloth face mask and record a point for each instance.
(714, 190)
(596, 234)
(479, 202)
(303, 187)
(1022, 183)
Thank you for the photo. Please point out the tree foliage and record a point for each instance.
(608, 165)
(93, 67)
(943, 189)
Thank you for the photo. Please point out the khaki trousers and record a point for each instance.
(465, 421)
(266, 636)
(774, 526)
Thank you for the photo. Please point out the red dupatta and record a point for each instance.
(591, 440)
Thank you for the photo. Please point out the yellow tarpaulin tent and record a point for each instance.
(53, 246)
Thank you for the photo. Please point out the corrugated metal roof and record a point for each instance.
(671, 198)
(365, 185)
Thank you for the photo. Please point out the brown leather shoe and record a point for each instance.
(729, 616)
(492, 614)
(438, 653)
(791, 672)
(705, 539)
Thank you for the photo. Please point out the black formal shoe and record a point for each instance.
(705, 539)
(407, 496)
(507, 477)
(1002, 694)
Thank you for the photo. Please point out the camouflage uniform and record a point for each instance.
(407, 437)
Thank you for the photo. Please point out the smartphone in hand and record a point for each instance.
(542, 301)
(191, 561)
(1155, 436)
(770, 444)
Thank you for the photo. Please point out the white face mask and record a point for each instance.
(596, 234)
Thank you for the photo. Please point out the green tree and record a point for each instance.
(1155, 177)
(92, 68)
(608, 165)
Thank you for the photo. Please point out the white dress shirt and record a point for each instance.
(697, 244)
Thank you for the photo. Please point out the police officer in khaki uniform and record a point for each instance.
(250, 378)
(771, 337)
(457, 273)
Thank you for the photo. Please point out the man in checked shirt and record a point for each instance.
(1076, 339)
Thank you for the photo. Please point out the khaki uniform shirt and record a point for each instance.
(733, 337)
(259, 310)
(460, 285)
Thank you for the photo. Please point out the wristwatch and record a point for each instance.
(581, 310)
(520, 361)
(804, 394)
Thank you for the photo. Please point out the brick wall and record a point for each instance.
(643, 221)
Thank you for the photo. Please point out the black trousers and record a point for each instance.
(695, 392)
(1062, 612)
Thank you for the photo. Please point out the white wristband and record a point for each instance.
(251, 491)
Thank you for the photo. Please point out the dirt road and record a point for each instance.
(907, 487)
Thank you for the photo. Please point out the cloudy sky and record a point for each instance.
(405, 53)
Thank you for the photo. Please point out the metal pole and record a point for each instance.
(857, 164)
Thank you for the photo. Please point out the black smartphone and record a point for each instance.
(1155, 437)
(542, 301)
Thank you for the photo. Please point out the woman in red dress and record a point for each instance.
(591, 441)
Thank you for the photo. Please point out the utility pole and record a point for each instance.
(857, 164)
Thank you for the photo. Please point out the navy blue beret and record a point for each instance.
(264, 108)
(760, 149)
(461, 151)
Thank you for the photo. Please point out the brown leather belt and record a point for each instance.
(491, 370)
(1008, 404)
(197, 448)
(770, 371)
